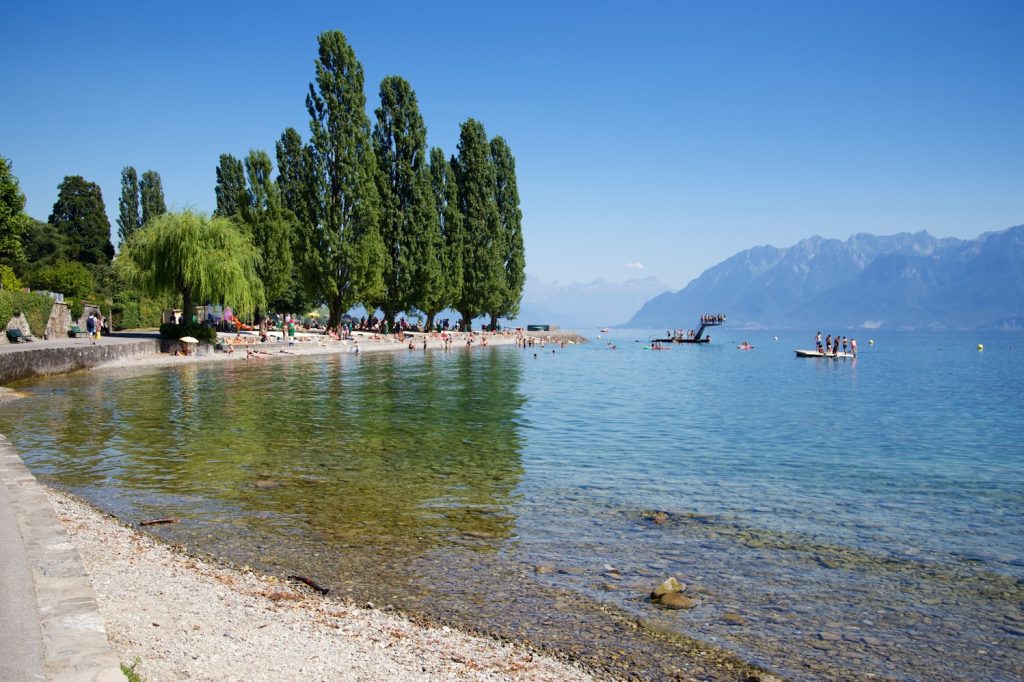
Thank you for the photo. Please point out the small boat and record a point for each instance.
(604, 330)
(819, 354)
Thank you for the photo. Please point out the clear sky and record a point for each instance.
(651, 138)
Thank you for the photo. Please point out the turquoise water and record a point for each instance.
(857, 516)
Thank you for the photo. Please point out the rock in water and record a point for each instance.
(675, 600)
(669, 586)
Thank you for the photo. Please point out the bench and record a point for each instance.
(15, 336)
(75, 332)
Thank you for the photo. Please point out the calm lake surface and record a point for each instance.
(836, 518)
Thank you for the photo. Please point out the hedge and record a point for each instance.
(36, 308)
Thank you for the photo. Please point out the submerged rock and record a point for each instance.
(676, 600)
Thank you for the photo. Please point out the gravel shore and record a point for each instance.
(178, 617)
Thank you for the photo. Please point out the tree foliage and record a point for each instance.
(446, 236)
(408, 222)
(80, 215)
(204, 260)
(269, 225)
(345, 253)
(510, 219)
(230, 189)
(483, 283)
(14, 222)
(8, 279)
(152, 191)
(67, 277)
(129, 218)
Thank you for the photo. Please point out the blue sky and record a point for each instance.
(667, 135)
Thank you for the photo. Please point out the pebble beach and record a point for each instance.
(172, 616)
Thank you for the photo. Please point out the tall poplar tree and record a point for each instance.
(447, 255)
(345, 244)
(230, 188)
(152, 190)
(80, 215)
(296, 187)
(269, 225)
(128, 219)
(400, 144)
(510, 216)
(14, 222)
(483, 281)
(294, 175)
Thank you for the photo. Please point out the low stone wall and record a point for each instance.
(60, 360)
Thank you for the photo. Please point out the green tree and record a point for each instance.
(408, 221)
(446, 237)
(128, 219)
(269, 224)
(230, 189)
(152, 192)
(483, 281)
(510, 217)
(14, 222)
(67, 277)
(298, 192)
(44, 244)
(80, 215)
(9, 280)
(346, 253)
(198, 258)
(295, 175)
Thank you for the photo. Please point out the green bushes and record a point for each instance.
(169, 330)
(35, 307)
(70, 278)
(8, 280)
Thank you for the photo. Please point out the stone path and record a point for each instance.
(50, 627)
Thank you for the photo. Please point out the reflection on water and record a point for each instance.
(832, 519)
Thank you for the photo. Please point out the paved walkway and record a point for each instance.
(113, 339)
(50, 627)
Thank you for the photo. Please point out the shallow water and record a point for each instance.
(851, 517)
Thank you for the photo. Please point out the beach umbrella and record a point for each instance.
(189, 339)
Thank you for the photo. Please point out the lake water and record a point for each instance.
(836, 519)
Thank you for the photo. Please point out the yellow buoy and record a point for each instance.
(981, 347)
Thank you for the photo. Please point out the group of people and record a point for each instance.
(712, 319)
(94, 325)
(833, 344)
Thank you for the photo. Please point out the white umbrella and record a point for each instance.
(189, 339)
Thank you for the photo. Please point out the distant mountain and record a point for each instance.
(905, 281)
(598, 303)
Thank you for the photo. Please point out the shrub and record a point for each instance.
(69, 278)
(8, 280)
(35, 307)
(169, 330)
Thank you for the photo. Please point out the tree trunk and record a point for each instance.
(430, 323)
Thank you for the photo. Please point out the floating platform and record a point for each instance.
(707, 321)
(820, 354)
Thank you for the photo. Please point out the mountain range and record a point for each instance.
(599, 303)
(899, 282)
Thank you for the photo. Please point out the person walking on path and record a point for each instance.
(90, 327)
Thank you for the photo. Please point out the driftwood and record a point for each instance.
(154, 522)
(307, 581)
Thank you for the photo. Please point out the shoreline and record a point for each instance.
(171, 616)
(315, 344)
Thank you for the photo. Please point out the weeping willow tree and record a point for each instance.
(201, 259)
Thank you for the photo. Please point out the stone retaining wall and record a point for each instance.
(60, 360)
